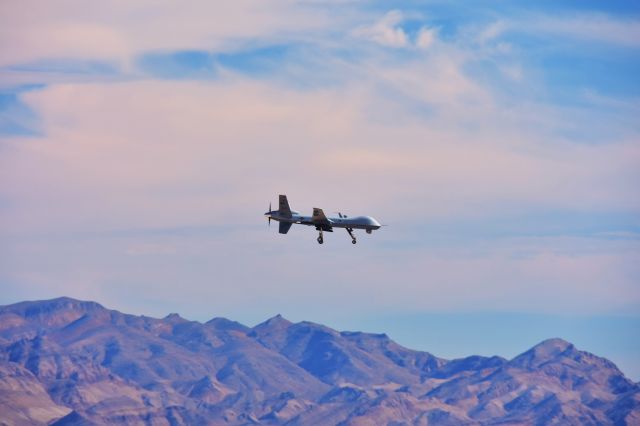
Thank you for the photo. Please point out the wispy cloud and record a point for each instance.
(388, 31)
(595, 28)
(31, 31)
(426, 37)
(385, 31)
(587, 27)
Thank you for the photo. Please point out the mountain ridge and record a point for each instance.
(81, 363)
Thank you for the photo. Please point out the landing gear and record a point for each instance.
(353, 238)
(320, 239)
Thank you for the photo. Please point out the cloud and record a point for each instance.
(591, 27)
(492, 31)
(162, 155)
(386, 31)
(136, 184)
(118, 31)
(127, 142)
(426, 37)
(514, 72)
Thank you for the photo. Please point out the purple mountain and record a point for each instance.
(68, 362)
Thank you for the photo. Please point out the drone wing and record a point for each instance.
(284, 227)
(320, 220)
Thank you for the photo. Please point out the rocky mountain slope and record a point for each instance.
(68, 362)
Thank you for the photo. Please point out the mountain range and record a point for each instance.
(71, 362)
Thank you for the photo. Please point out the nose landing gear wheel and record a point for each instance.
(353, 241)
(320, 240)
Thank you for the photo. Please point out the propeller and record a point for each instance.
(269, 219)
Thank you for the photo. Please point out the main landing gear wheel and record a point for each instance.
(320, 240)
(353, 238)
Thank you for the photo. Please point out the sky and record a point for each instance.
(141, 143)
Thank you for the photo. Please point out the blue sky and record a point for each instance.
(140, 145)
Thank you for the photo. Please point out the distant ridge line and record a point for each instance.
(82, 363)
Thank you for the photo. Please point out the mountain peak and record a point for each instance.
(174, 317)
(551, 348)
(220, 323)
(43, 309)
(553, 343)
(543, 352)
(276, 321)
(274, 328)
(58, 312)
(60, 303)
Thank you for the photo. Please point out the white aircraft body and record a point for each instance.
(288, 217)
